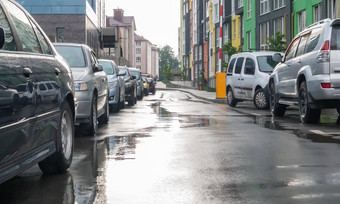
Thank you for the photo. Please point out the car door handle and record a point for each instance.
(299, 61)
(27, 72)
(57, 71)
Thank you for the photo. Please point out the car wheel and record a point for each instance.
(276, 109)
(122, 103)
(307, 114)
(260, 100)
(61, 160)
(231, 101)
(106, 116)
(116, 107)
(91, 127)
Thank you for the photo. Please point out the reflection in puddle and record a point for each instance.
(270, 123)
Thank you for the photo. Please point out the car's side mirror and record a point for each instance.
(121, 74)
(277, 57)
(2, 37)
(133, 77)
(98, 68)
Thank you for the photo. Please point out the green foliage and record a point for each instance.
(228, 49)
(167, 57)
(276, 43)
(167, 72)
(202, 80)
(183, 74)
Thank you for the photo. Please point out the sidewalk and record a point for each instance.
(203, 95)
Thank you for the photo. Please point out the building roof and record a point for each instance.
(140, 38)
(120, 20)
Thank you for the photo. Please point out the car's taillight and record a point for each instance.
(326, 85)
(323, 55)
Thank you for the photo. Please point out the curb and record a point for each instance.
(218, 101)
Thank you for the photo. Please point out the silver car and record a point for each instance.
(247, 78)
(309, 74)
(116, 85)
(91, 85)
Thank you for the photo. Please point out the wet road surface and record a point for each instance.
(173, 148)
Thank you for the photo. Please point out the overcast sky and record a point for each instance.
(156, 20)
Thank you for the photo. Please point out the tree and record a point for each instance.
(228, 49)
(276, 43)
(167, 58)
(167, 72)
(183, 74)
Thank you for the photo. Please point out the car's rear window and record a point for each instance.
(73, 55)
(108, 68)
(266, 63)
(335, 40)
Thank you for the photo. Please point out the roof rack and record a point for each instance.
(319, 22)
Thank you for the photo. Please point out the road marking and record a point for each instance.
(319, 132)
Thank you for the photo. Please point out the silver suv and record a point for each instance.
(309, 74)
(247, 78)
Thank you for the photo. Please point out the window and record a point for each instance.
(225, 32)
(138, 43)
(240, 3)
(301, 20)
(313, 40)
(241, 27)
(138, 50)
(333, 9)
(239, 64)
(249, 67)
(25, 31)
(264, 7)
(49, 86)
(200, 52)
(302, 45)
(217, 36)
(266, 63)
(317, 12)
(249, 40)
(279, 4)
(42, 87)
(335, 42)
(248, 9)
(138, 59)
(207, 9)
(60, 34)
(216, 12)
(9, 40)
(234, 29)
(231, 66)
(73, 55)
(43, 43)
(264, 34)
(278, 24)
(290, 53)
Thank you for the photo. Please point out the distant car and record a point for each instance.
(247, 78)
(308, 76)
(146, 86)
(31, 132)
(152, 85)
(138, 74)
(116, 85)
(130, 85)
(91, 86)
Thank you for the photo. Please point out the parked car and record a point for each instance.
(146, 86)
(130, 86)
(309, 74)
(91, 86)
(247, 78)
(32, 133)
(138, 74)
(116, 85)
(152, 85)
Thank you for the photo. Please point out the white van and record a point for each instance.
(247, 78)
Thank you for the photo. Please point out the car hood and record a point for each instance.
(79, 74)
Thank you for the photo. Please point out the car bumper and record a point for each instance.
(114, 96)
(84, 106)
(323, 97)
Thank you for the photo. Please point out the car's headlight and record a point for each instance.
(112, 84)
(82, 86)
(128, 85)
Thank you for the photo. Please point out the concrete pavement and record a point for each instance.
(201, 94)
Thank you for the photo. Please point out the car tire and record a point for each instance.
(122, 104)
(307, 114)
(276, 109)
(60, 161)
(92, 127)
(260, 99)
(104, 119)
(231, 100)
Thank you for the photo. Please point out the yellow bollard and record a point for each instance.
(221, 85)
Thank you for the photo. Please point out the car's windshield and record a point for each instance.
(149, 80)
(135, 73)
(73, 55)
(266, 63)
(107, 66)
(122, 70)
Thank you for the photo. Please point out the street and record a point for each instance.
(174, 148)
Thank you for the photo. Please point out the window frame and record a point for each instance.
(297, 40)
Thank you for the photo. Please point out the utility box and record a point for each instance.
(221, 85)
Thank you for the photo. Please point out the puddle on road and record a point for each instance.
(274, 124)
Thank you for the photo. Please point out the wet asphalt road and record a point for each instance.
(173, 148)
